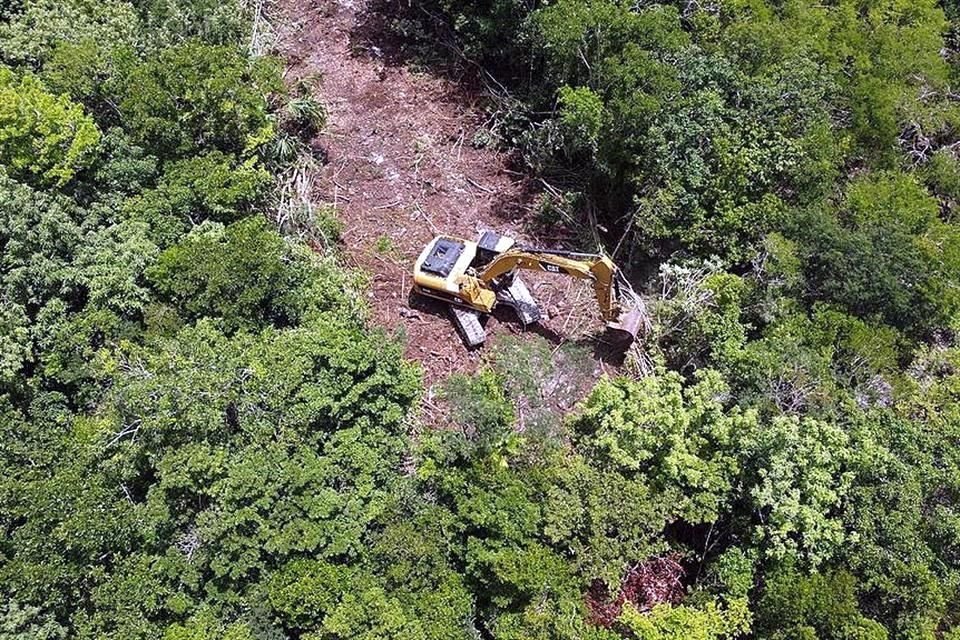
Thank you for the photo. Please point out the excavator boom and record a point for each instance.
(596, 268)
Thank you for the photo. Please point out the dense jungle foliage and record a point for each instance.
(201, 438)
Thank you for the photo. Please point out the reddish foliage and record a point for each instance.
(647, 584)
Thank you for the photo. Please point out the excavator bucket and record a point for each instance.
(631, 322)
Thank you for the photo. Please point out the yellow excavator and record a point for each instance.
(473, 277)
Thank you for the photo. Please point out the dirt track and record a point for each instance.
(402, 168)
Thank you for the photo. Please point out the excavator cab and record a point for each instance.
(442, 257)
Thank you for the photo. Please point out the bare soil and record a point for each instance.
(402, 168)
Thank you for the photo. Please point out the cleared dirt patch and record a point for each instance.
(401, 169)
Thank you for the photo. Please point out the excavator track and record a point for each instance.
(468, 324)
(518, 296)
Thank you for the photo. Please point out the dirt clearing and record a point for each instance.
(402, 168)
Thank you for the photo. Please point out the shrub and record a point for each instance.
(249, 277)
(480, 403)
(197, 96)
(44, 139)
(32, 35)
(883, 253)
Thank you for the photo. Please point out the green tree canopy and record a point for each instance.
(44, 138)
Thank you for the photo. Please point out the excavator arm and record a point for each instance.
(599, 269)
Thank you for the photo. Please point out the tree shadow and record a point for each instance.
(508, 317)
(516, 204)
(612, 353)
(387, 31)
(372, 37)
